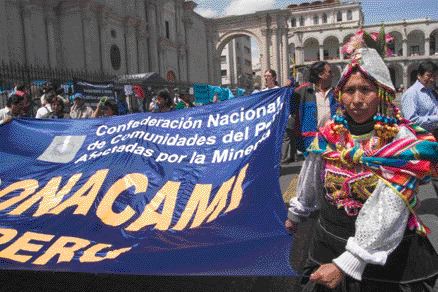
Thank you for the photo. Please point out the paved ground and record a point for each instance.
(47, 281)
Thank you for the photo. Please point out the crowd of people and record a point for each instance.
(52, 103)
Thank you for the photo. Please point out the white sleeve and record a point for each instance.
(38, 114)
(380, 227)
(42, 113)
(3, 115)
(309, 186)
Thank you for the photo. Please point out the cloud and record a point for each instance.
(207, 12)
(239, 7)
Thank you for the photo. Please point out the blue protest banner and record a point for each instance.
(190, 192)
(201, 93)
(39, 82)
(93, 91)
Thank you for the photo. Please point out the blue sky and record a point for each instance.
(375, 10)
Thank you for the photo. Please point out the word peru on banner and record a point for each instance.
(190, 192)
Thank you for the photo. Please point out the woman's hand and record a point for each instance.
(290, 226)
(328, 275)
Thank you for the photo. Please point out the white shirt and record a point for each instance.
(83, 112)
(4, 112)
(267, 88)
(43, 112)
(323, 106)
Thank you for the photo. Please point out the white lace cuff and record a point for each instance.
(350, 265)
(376, 258)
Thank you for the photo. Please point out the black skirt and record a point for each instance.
(351, 285)
(413, 266)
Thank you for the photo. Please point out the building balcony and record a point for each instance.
(414, 57)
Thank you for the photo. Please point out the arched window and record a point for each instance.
(315, 19)
(324, 18)
(301, 20)
(293, 22)
(349, 15)
(433, 44)
(339, 16)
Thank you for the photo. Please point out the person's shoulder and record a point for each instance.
(41, 110)
(4, 112)
(411, 91)
(417, 86)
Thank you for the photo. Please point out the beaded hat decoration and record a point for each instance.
(367, 52)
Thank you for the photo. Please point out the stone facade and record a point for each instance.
(168, 37)
(111, 36)
(302, 34)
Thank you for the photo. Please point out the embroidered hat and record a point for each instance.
(366, 51)
(371, 64)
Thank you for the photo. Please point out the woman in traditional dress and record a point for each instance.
(362, 173)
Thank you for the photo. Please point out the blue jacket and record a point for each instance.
(306, 125)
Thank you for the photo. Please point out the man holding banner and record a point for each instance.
(270, 80)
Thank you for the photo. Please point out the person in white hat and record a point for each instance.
(362, 173)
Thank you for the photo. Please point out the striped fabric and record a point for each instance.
(403, 164)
